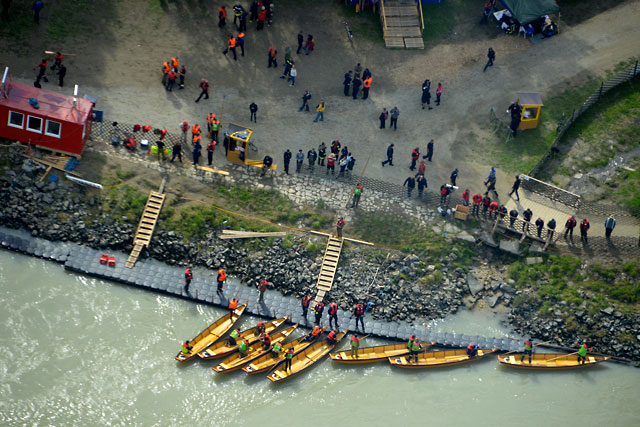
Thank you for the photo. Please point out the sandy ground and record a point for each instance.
(122, 68)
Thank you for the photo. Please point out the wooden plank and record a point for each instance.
(394, 42)
(413, 42)
(404, 21)
(53, 165)
(252, 235)
(218, 171)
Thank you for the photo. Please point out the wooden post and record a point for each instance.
(421, 17)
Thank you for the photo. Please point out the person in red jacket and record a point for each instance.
(358, 311)
(222, 16)
(333, 315)
(493, 210)
(415, 154)
(317, 310)
(262, 287)
(305, 306)
(569, 226)
(261, 18)
(188, 277)
(486, 201)
(465, 197)
(477, 200)
(584, 228)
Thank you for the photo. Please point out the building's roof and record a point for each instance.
(53, 105)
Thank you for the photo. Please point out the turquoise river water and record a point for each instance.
(84, 352)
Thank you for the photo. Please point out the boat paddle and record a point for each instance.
(522, 348)
(564, 355)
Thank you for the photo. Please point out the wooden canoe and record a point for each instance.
(211, 334)
(371, 354)
(266, 361)
(222, 348)
(542, 361)
(236, 361)
(304, 359)
(433, 359)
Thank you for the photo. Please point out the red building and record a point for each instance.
(60, 124)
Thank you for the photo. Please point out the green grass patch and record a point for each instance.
(364, 26)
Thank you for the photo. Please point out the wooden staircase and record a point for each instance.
(402, 24)
(329, 267)
(146, 226)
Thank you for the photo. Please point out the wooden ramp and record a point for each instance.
(146, 226)
(402, 24)
(329, 267)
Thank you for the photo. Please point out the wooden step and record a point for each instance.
(146, 226)
(403, 32)
(408, 10)
(394, 42)
(404, 21)
(414, 43)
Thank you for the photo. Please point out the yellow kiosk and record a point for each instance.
(531, 104)
(240, 146)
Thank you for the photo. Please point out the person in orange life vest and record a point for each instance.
(188, 277)
(181, 75)
(171, 81)
(493, 210)
(266, 342)
(195, 130)
(486, 201)
(260, 329)
(222, 277)
(472, 350)
(165, 72)
(366, 85)
(233, 304)
(570, 225)
(204, 85)
(210, 118)
(231, 46)
(415, 155)
(332, 338)
(241, 36)
(211, 147)
(305, 306)
(358, 311)
(58, 61)
(314, 334)
(528, 349)
(340, 226)
(175, 63)
(477, 200)
(465, 197)
(288, 358)
(273, 53)
(317, 310)
(222, 16)
(584, 228)
(333, 315)
(438, 93)
(262, 287)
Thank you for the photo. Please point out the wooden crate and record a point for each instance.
(462, 212)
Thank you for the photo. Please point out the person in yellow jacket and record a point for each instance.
(320, 111)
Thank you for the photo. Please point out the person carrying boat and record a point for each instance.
(582, 353)
(233, 304)
(355, 345)
(318, 309)
(266, 341)
(332, 338)
(276, 349)
(260, 328)
(305, 306)
(414, 349)
(186, 348)
(333, 315)
(242, 348)
(472, 350)
(287, 359)
(528, 349)
(359, 313)
(233, 337)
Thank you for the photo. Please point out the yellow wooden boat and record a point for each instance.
(222, 348)
(211, 334)
(549, 361)
(236, 361)
(305, 358)
(371, 354)
(266, 361)
(433, 359)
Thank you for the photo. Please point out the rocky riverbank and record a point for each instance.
(399, 286)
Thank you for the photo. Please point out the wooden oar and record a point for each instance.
(564, 355)
(522, 348)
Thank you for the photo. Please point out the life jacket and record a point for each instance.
(210, 118)
(289, 354)
(188, 274)
(486, 201)
(410, 342)
(215, 125)
(367, 82)
(261, 326)
(584, 224)
(332, 336)
(197, 137)
(465, 195)
(184, 126)
(137, 127)
(222, 12)
(305, 301)
(528, 345)
(333, 309)
(319, 307)
(493, 206)
(359, 310)
(266, 339)
(583, 350)
(235, 333)
(146, 128)
(341, 223)
(195, 129)
(471, 347)
(165, 67)
(163, 133)
(443, 190)
(233, 304)
(131, 143)
(58, 57)
(439, 90)
(174, 63)
(276, 347)
(414, 155)
(222, 275)
(316, 331)
(273, 52)
(241, 38)
(571, 222)
(477, 199)
(415, 346)
(355, 342)
(232, 42)
(243, 345)
(185, 348)
(211, 146)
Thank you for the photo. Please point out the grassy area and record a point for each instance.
(562, 278)
(628, 187)
(364, 25)
(440, 20)
(522, 153)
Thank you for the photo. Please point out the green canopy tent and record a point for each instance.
(526, 11)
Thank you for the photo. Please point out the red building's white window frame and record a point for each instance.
(12, 124)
